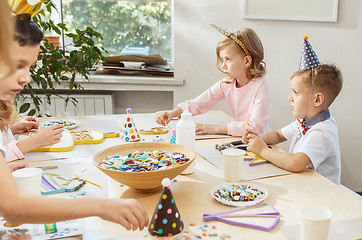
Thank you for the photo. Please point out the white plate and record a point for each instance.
(68, 124)
(225, 201)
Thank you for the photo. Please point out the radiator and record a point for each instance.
(87, 105)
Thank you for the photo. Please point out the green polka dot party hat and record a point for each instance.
(129, 132)
(166, 220)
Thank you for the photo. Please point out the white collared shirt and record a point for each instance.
(321, 144)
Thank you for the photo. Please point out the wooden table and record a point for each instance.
(287, 193)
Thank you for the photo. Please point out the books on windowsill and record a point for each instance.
(135, 65)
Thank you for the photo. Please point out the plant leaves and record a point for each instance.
(32, 112)
(24, 107)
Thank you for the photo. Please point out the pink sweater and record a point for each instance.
(12, 152)
(252, 102)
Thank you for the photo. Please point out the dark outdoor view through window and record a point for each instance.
(124, 24)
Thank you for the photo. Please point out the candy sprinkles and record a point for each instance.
(143, 161)
(82, 135)
(239, 193)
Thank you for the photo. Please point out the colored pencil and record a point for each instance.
(89, 181)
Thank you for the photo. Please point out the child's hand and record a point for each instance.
(163, 118)
(256, 144)
(246, 135)
(25, 125)
(127, 212)
(17, 164)
(209, 129)
(47, 136)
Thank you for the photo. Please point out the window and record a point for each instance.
(124, 24)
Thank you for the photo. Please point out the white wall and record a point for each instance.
(340, 43)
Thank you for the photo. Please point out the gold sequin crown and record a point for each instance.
(232, 36)
(29, 7)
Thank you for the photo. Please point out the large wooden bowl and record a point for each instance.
(144, 181)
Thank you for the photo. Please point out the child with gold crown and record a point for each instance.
(240, 57)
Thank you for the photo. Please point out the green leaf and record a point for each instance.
(31, 112)
(24, 107)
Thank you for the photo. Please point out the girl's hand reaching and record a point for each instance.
(48, 136)
(163, 118)
(45, 137)
(127, 212)
(209, 129)
(17, 164)
(26, 124)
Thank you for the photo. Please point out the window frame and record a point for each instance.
(58, 18)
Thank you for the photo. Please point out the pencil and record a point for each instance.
(89, 181)
(244, 123)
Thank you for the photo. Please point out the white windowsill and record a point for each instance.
(132, 80)
(126, 83)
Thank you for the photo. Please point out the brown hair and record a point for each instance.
(253, 44)
(327, 79)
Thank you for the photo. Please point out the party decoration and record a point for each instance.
(129, 132)
(232, 36)
(31, 7)
(166, 219)
(173, 138)
(309, 58)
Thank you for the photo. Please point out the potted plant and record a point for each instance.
(57, 64)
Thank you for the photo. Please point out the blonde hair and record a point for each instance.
(6, 37)
(7, 108)
(8, 114)
(253, 45)
(326, 78)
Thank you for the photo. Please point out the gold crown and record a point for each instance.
(31, 7)
(232, 36)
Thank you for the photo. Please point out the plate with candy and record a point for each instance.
(68, 124)
(239, 194)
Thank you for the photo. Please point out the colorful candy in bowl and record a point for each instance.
(143, 165)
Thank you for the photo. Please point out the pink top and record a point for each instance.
(252, 102)
(12, 152)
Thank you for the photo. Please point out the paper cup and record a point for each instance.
(28, 180)
(314, 223)
(233, 163)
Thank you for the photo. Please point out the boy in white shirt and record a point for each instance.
(314, 135)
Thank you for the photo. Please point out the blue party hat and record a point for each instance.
(309, 58)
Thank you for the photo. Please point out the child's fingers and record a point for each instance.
(59, 127)
(251, 136)
(125, 223)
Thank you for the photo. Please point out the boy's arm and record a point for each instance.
(294, 162)
(273, 137)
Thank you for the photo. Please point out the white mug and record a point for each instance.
(28, 180)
